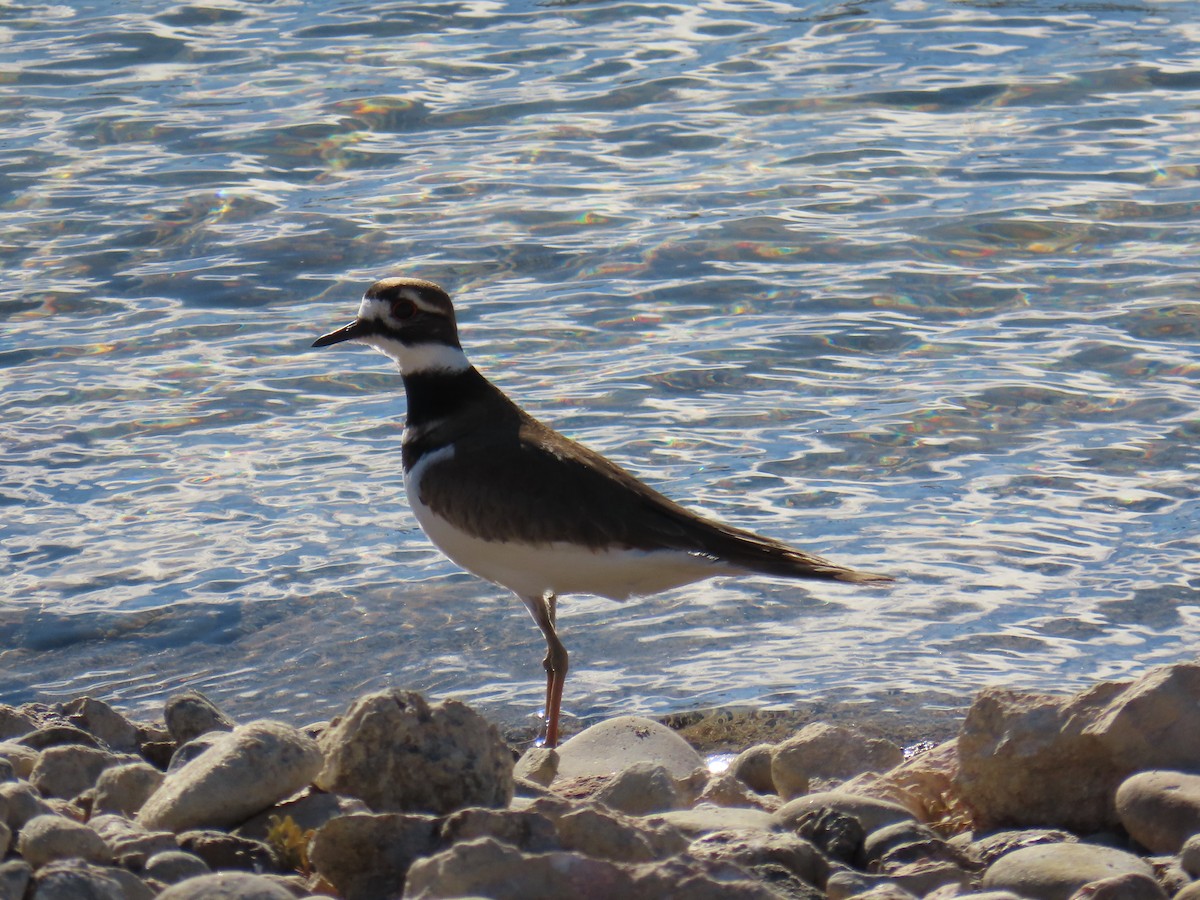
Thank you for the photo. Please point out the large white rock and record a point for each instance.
(616, 744)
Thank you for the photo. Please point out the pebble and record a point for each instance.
(227, 886)
(78, 880)
(823, 755)
(125, 789)
(642, 788)
(250, 769)
(399, 797)
(172, 866)
(191, 714)
(68, 770)
(47, 838)
(753, 768)
(1160, 810)
(102, 721)
(1057, 871)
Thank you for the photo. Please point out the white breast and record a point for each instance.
(559, 567)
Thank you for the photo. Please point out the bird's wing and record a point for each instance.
(530, 484)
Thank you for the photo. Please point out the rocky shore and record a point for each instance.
(1094, 795)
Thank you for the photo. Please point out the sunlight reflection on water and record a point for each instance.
(907, 286)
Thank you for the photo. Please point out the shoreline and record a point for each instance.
(398, 797)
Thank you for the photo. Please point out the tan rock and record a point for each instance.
(68, 770)
(1031, 759)
(245, 772)
(616, 744)
(1057, 871)
(399, 754)
(366, 856)
(124, 789)
(45, 839)
(825, 755)
(1160, 810)
(1130, 886)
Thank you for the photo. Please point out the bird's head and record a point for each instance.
(410, 320)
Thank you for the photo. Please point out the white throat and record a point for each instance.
(414, 359)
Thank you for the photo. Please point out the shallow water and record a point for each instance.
(912, 285)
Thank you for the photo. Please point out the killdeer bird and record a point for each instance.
(516, 503)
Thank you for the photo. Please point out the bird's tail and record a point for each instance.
(766, 556)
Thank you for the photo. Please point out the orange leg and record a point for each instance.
(544, 614)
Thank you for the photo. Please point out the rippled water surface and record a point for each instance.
(914, 285)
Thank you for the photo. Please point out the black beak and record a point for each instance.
(355, 329)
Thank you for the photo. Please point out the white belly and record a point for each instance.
(560, 568)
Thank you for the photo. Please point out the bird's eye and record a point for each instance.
(403, 309)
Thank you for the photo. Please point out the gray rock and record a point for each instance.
(906, 842)
(77, 880)
(756, 850)
(753, 768)
(1160, 810)
(1057, 871)
(640, 789)
(988, 848)
(99, 719)
(870, 813)
(15, 876)
(828, 754)
(44, 839)
(5, 840)
(133, 887)
(923, 876)
(227, 851)
(703, 819)
(399, 754)
(612, 746)
(131, 844)
(1130, 886)
(124, 789)
(309, 811)
(599, 833)
(228, 886)
(57, 735)
(14, 723)
(66, 771)
(8, 771)
(525, 829)
(173, 866)
(250, 769)
(191, 714)
(488, 868)
(1191, 892)
(367, 856)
